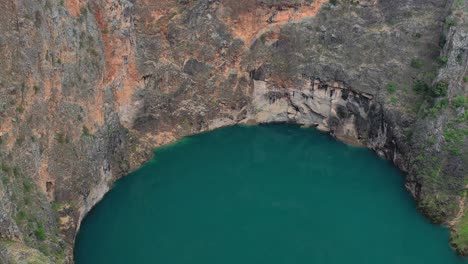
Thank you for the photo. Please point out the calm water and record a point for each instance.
(266, 194)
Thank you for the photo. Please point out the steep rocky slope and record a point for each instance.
(89, 87)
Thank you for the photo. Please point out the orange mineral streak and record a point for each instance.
(120, 64)
(109, 45)
(5, 127)
(43, 178)
(251, 25)
(73, 7)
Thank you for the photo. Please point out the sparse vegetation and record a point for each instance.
(85, 131)
(20, 216)
(40, 233)
(84, 10)
(48, 5)
(27, 186)
(24, 87)
(459, 3)
(391, 87)
(442, 60)
(239, 6)
(5, 180)
(449, 22)
(460, 101)
(454, 138)
(417, 35)
(416, 63)
(461, 236)
(93, 52)
(37, 19)
(5, 168)
(20, 139)
(420, 86)
(61, 138)
(36, 89)
(438, 107)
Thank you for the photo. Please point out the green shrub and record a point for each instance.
(391, 87)
(334, 2)
(40, 233)
(416, 63)
(465, 79)
(460, 101)
(449, 22)
(442, 60)
(394, 99)
(439, 89)
(21, 215)
(420, 86)
(86, 131)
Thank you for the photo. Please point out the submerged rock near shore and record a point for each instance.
(88, 88)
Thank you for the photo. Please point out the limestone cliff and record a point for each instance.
(89, 87)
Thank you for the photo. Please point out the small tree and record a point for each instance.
(439, 89)
(420, 86)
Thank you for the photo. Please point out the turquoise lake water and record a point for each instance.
(262, 194)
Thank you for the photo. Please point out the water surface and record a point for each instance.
(265, 194)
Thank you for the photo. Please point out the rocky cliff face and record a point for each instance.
(89, 87)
